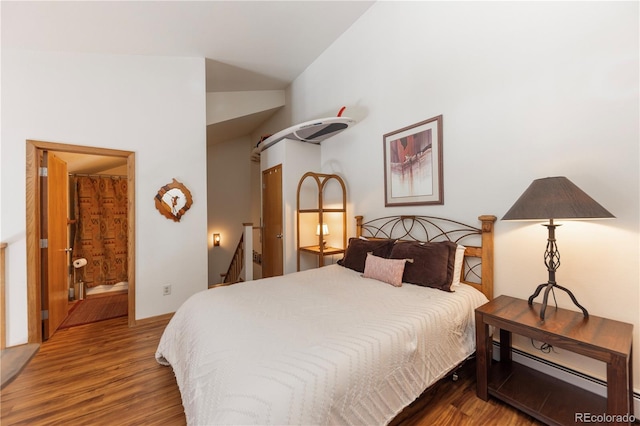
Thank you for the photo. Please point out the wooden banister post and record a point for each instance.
(248, 251)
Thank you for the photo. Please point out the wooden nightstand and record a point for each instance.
(326, 251)
(547, 398)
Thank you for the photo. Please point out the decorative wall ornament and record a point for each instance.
(173, 200)
(413, 164)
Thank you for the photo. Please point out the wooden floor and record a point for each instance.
(102, 373)
(105, 373)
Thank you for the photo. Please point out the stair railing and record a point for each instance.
(240, 267)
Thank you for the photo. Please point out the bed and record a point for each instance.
(332, 345)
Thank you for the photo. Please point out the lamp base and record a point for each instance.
(549, 286)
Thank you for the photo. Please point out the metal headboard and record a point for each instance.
(478, 264)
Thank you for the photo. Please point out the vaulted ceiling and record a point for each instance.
(247, 45)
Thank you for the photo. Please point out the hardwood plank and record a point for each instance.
(451, 402)
(100, 373)
(105, 373)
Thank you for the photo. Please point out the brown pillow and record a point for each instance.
(432, 266)
(356, 254)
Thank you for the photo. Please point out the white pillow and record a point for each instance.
(457, 265)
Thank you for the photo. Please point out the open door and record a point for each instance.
(272, 260)
(55, 286)
(35, 185)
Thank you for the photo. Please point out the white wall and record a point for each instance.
(296, 159)
(230, 172)
(223, 106)
(154, 106)
(527, 90)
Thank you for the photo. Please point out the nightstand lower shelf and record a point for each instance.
(546, 398)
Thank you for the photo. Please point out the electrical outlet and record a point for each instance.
(166, 290)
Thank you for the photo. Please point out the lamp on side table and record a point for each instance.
(554, 198)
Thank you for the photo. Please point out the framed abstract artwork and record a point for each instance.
(413, 164)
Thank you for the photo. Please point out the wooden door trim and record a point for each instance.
(3, 322)
(33, 149)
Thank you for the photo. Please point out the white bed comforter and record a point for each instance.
(318, 347)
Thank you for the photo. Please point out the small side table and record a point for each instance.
(326, 251)
(546, 398)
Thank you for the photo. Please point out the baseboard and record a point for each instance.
(151, 320)
(581, 380)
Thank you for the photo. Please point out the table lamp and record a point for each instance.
(325, 232)
(554, 198)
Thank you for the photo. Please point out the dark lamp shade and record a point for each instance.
(555, 198)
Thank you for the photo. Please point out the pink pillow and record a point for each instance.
(386, 270)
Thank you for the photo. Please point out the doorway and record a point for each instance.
(35, 150)
(272, 258)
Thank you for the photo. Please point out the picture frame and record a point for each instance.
(413, 174)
